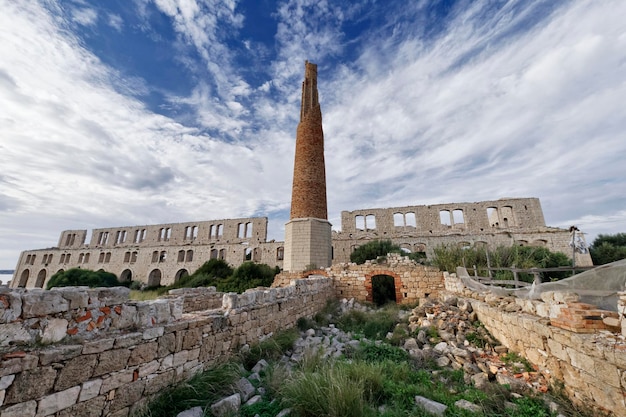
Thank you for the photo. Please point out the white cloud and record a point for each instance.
(116, 22)
(85, 16)
(486, 108)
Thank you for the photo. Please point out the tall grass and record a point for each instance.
(202, 390)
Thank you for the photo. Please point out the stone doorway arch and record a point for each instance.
(397, 285)
(23, 279)
(126, 275)
(154, 279)
(41, 278)
(181, 274)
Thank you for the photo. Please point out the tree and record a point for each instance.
(608, 248)
(76, 277)
(374, 249)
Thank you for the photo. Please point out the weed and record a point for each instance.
(529, 407)
(264, 408)
(201, 390)
(271, 349)
(520, 363)
(381, 352)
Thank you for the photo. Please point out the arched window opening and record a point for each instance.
(127, 257)
(133, 257)
(220, 230)
(222, 254)
(247, 254)
(213, 254)
(445, 217)
(211, 231)
(280, 253)
(457, 216)
(248, 230)
(398, 219)
(493, 217)
(241, 230)
(80, 258)
(163, 256)
(360, 222)
(67, 258)
(189, 257)
(100, 257)
(181, 256)
(194, 233)
(107, 258)
(86, 261)
(410, 220)
(256, 254)
(383, 289)
(155, 256)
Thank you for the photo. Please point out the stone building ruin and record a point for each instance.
(163, 253)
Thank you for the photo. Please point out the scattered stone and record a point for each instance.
(466, 405)
(192, 412)
(226, 406)
(431, 406)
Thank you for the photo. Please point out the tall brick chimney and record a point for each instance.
(308, 240)
(308, 194)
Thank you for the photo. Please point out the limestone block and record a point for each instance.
(89, 408)
(431, 406)
(192, 412)
(128, 395)
(14, 333)
(76, 371)
(10, 305)
(148, 368)
(55, 330)
(143, 353)
(5, 382)
(77, 296)
(229, 301)
(111, 361)
(109, 296)
(126, 318)
(25, 409)
(90, 389)
(57, 401)
(98, 346)
(30, 385)
(156, 383)
(226, 406)
(15, 365)
(466, 405)
(566, 297)
(152, 333)
(177, 307)
(245, 388)
(130, 339)
(43, 303)
(162, 311)
(116, 380)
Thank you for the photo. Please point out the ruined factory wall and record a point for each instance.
(411, 281)
(156, 254)
(592, 365)
(504, 222)
(131, 350)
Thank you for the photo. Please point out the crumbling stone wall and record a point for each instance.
(155, 254)
(504, 222)
(114, 373)
(592, 365)
(412, 281)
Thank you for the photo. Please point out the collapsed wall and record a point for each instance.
(589, 361)
(114, 353)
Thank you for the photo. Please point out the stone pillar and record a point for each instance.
(308, 238)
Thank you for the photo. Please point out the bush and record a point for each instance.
(75, 277)
(248, 275)
(373, 250)
(608, 248)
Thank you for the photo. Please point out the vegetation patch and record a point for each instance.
(75, 277)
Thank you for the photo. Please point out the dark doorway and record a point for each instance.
(383, 289)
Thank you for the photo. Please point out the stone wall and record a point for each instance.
(592, 365)
(112, 372)
(412, 281)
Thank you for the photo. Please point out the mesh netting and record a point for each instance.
(598, 286)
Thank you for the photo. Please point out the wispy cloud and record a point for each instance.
(518, 99)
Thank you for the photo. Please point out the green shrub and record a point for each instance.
(83, 277)
(272, 348)
(372, 250)
(248, 275)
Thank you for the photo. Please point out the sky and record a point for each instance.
(133, 112)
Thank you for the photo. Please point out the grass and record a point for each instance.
(375, 379)
(202, 390)
(520, 363)
(139, 295)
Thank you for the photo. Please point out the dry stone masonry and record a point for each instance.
(115, 354)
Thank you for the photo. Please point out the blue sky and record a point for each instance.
(128, 112)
